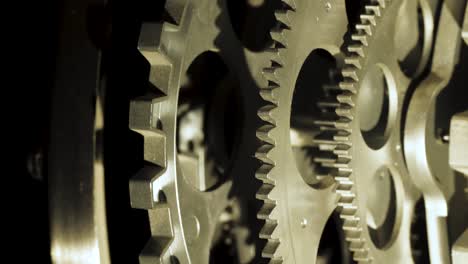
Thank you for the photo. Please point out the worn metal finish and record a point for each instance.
(76, 174)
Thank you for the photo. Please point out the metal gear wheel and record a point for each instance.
(363, 142)
(179, 171)
(297, 202)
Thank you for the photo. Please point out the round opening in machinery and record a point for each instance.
(315, 74)
(376, 106)
(252, 21)
(209, 118)
(413, 36)
(381, 207)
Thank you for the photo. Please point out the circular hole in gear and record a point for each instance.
(209, 121)
(381, 208)
(315, 74)
(252, 21)
(333, 247)
(412, 30)
(376, 106)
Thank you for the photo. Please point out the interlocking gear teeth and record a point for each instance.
(345, 109)
(266, 113)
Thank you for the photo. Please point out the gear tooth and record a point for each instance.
(356, 49)
(373, 9)
(345, 199)
(345, 112)
(355, 60)
(362, 257)
(328, 104)
(275, 56)
(264, 192)
(268, 94)
(357, 247)
(263, 134)
(277, 34)
(350, 71)
(143, 121)
(265, 211)
(325, 123)
(350, 224)
(176, 8)
(289, 4)
(346, 98)
(342, 138)
(271, 74)
(364, 27)
(368, 19)
(268, 229)
(330, 88)
(150, 36)
(162, 235)
(262, 174)
(262, 154)
(282, 15)
(142, 187)
(149, 45)
(382, 3)
(265, 113)
(348, 85)
(270, 250)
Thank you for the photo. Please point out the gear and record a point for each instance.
(177, 173)
(297, 201)
(363, 142)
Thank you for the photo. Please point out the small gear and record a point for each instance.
(362, 142)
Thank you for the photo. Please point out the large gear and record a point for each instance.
(366, 154)
(296, 202)
(176, 173)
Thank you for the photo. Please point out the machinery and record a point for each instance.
(255, 131)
